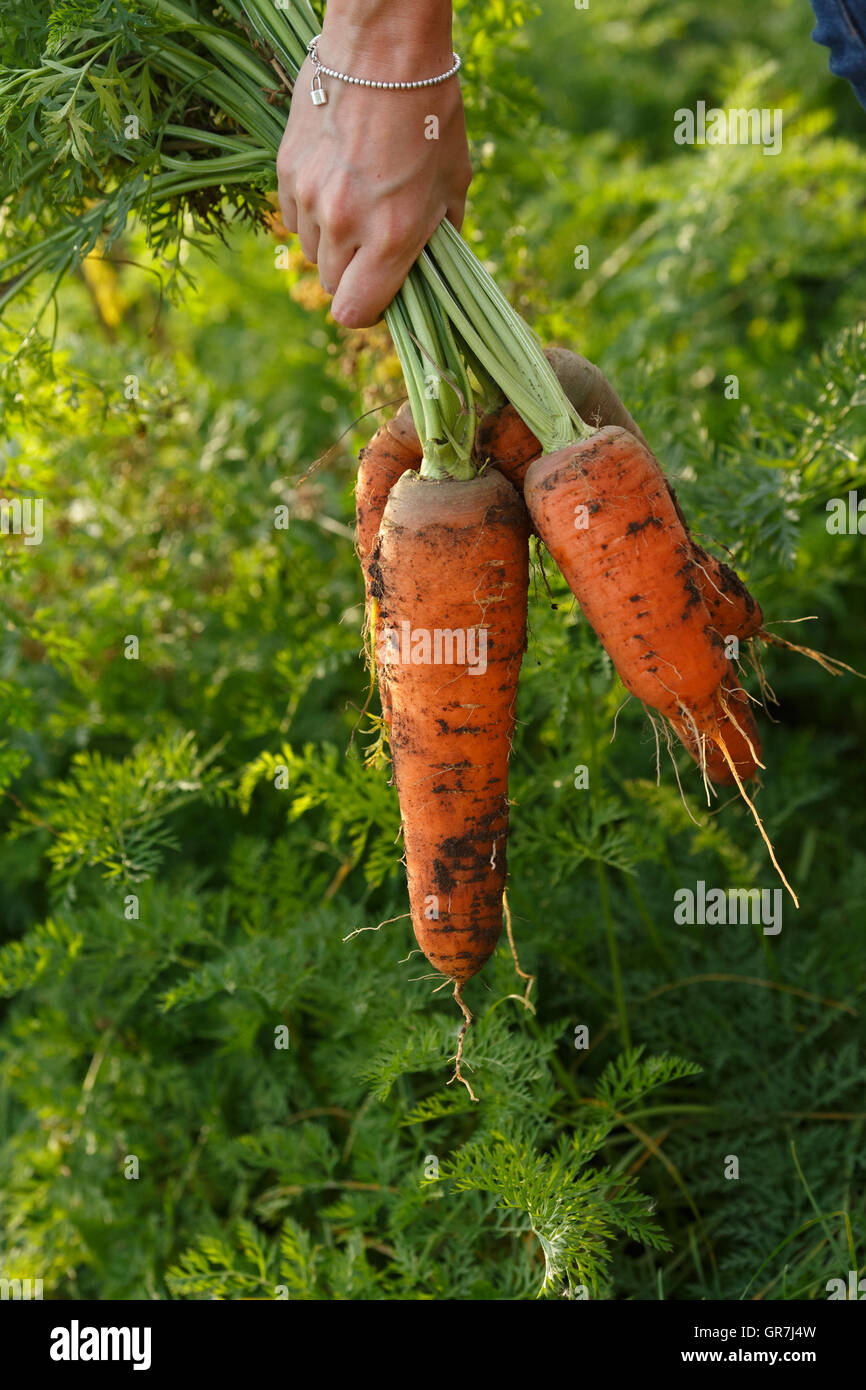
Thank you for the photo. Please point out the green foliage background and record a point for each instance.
(310, 1168)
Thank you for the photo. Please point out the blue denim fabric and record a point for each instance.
(841, 27)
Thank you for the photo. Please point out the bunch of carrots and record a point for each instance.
(498, 440)
(452, 554)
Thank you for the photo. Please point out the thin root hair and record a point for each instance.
(751, 805)
(358, 930)
(530, 979)
(461, 1036)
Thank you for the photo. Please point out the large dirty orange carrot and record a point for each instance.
(450, 571)
(603, 509)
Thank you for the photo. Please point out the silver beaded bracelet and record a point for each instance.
(319, 96)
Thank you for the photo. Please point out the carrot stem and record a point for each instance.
(504, 344)
(440, 395)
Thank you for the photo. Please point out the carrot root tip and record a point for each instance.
(461, 1036)
(530, 979)
(751, 805)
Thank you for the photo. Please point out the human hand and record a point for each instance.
(366, 178)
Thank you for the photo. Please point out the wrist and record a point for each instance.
(387, 40)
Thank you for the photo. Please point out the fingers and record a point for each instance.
(363, 279)
(360, 299)
(333, 260)
(369, 283)
(340, 236)
(378, 268)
